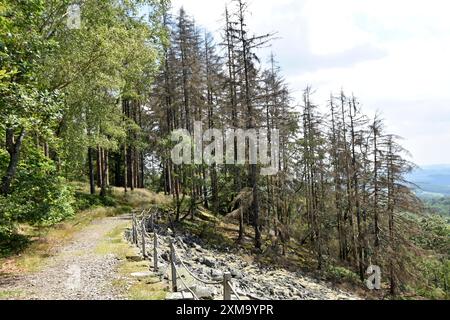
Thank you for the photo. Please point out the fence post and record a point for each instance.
(173, 267)
(226, 286)
(144, 254)
(133, 233)
(136, 241)
(152, 222)
(155, 252)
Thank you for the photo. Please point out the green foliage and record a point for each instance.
(11, 244)
(439, 205)
(434, 234)
(432, 269)
(342, 274)
(39, 195)
(85, 201)
(435, 280)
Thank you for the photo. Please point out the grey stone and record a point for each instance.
(236, 274)
(216, 275)
(134, 258)
(204, 292)
(165, 256)
(208, 261)
(180, 296)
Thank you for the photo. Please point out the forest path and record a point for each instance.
(78, 271)
(86, 268)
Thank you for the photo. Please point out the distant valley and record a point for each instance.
(433, 187)
(432, 181)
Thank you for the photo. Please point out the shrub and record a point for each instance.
(39, 196)
(85, 201)
(342, 274)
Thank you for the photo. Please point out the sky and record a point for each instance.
(393, 55)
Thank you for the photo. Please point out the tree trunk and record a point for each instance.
(106, 164)
(357, 213)
(104, 170)
(131, 168)
(13, 148)
(99, 168)
(91, 171)
(142, 170)
(125, 171)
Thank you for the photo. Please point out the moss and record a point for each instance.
(148, 288)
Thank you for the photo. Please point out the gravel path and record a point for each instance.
(77, 271)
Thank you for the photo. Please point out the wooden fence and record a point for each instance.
(140, 228)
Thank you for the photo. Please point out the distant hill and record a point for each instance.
(433, 181)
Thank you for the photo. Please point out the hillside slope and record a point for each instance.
(252, 279)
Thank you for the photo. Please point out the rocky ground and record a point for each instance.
(76, 272)
(251, 281)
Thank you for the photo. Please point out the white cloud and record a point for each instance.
(331, 28)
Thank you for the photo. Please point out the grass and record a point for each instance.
(210, 228)
(140, 198)
(148, 288)
(10, 294)
(115, 244)
(208, 232)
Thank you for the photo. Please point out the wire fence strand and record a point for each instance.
(233, 290)
(212, 283)
(189, 289)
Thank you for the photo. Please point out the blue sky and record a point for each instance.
(394, 56)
